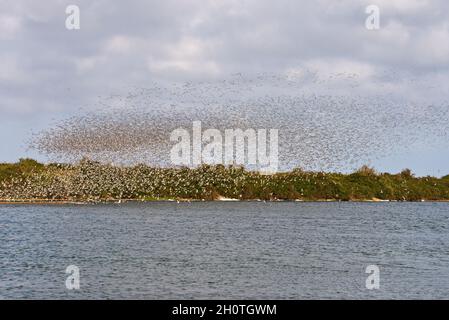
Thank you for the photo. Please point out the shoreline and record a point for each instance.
(122, 201)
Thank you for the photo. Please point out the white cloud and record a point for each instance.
(9, 26)
(402, 6)
(10, 70)
(119, 44)
(434, 45)
(188, 55)
(131, 43)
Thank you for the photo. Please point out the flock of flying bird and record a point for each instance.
(332, 122)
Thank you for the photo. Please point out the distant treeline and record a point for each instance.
(93, 181)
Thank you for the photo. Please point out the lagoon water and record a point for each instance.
(225, 250)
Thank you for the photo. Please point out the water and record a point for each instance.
(224, 250)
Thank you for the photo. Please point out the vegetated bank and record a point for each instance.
(87, 181)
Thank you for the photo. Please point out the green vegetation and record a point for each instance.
(22, 168)
(92, 181)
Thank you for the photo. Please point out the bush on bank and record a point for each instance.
(93, 181)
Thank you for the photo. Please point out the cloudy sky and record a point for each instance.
(48, 72)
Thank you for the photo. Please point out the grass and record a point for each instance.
(92, 181)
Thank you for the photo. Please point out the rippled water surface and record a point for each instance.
(205, 250)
